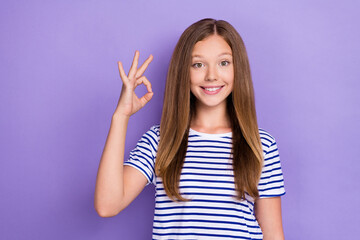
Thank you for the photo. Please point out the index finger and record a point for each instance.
(143, 67)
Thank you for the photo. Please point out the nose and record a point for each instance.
(211, 74)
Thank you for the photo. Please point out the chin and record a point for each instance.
(211, 104)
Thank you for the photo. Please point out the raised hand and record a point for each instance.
(129, 103)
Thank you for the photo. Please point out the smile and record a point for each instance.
(212, 90)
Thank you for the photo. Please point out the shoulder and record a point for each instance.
(153, 134)
(155, 129)
(267, 140)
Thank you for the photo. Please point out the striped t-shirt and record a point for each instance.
(207, 179)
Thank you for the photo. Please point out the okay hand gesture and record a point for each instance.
(129, 103)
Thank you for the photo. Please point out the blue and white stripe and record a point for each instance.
(207, 179)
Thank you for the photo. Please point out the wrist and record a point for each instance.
(120, 117)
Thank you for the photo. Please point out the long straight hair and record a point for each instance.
(179, 108)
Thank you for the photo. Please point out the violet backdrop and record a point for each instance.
(60, 86)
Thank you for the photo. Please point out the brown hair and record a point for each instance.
(179, 108)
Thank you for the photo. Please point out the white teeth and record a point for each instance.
(212, 89)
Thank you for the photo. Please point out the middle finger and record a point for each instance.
(143, 67)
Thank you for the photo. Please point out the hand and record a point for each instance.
(129, 103)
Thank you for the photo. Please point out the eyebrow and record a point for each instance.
(221, 54)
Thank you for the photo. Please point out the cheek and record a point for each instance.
(231, 75)
(228, 76)
(195, 76)
(193, 89)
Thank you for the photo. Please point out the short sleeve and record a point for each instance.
(271, 182)
(142, 157)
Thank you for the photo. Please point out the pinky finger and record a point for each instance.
(122, 72)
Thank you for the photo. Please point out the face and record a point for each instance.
(212, 72)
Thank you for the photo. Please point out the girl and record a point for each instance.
(217, 175)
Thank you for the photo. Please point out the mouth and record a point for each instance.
(211, 90)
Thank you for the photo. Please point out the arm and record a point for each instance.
(268, 215)
(117, 186)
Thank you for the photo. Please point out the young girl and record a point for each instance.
(217, 175)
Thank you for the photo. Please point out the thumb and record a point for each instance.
(146, 98)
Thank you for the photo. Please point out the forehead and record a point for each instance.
(211, 46)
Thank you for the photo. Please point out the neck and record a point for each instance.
(211, 119)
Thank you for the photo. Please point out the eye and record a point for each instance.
(224, 63)
(197, 65)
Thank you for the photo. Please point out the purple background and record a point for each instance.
(60, 86)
